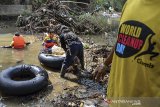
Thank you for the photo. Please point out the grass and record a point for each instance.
(104, 23)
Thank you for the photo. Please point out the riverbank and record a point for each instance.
(77, 91)
(8, 27)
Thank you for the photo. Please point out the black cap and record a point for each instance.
(17, 34)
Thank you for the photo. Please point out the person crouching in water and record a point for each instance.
(49, 41)
(18, 41)
(72, 46)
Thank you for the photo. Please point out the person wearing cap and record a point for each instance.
(18, 41)
(72, 46)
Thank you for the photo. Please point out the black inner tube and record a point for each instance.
(23, 79)
(23, 76)
(52, 61)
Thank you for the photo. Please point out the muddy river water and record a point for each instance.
(57, 85)
(12, 57)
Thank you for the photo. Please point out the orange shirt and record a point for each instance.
(18, 42)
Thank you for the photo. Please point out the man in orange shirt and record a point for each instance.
(18, 41)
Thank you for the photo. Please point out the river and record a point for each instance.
(57, 85)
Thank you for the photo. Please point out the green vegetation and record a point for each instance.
(116, 4)
(103, 23)
(6, 2)
(98, 20)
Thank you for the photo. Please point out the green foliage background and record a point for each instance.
(6, 2)
(117, 4)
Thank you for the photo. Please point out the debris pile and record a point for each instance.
(51, 13)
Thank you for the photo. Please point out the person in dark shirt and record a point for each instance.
(72, 46)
